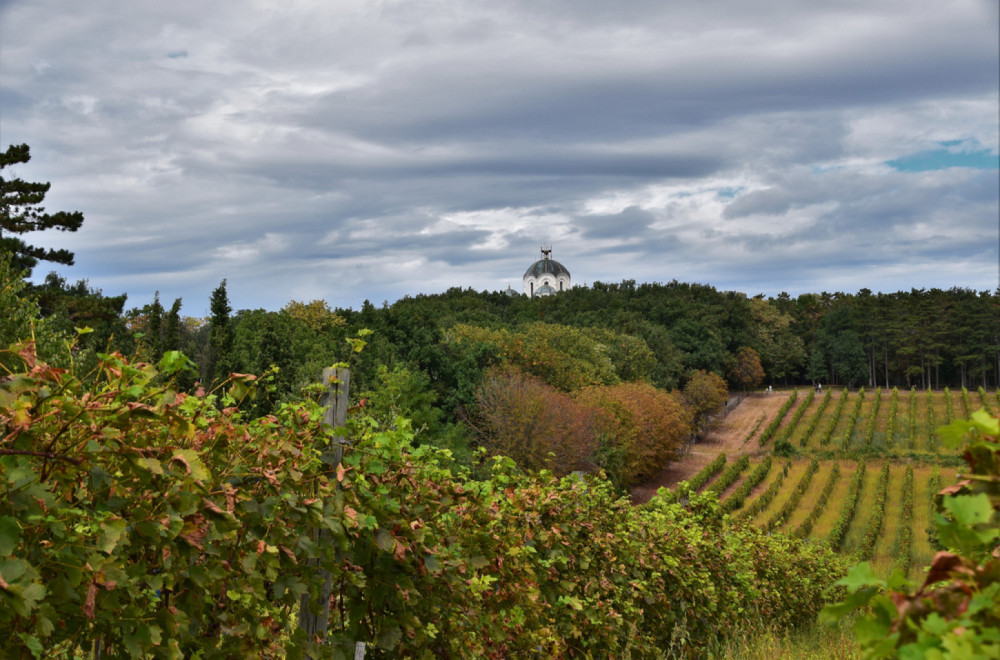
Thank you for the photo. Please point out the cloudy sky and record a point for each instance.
(353, 149)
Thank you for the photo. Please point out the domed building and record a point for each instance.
(546, 276)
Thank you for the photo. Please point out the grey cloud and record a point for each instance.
(187, 131)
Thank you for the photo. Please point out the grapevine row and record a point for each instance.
(793, 501)
(707, 472)
(904, 538)
(890, 426)
(738, 496)
(793, 424)
(966, 404)
(852, 419)
(806, 525)
(755, 428)
(874, 528)
(730, 476)
(949, 409)
(913, 417)
(933, 486)
(765, 498)
(836, 536)
(872, 415)
(837, 412)
(697, 481)
(986, 403)
(776, 422)
(931, 424)
(814, 421)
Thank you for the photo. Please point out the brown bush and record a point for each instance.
(538, 426)
(647, 423)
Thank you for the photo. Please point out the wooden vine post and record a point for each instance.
(338, 382)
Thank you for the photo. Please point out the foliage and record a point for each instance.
(696, 482)
(21, 212)
(20, 318)
(647, 423)
(782, 352)
(746, 369)
(729, 477)
(740, 494)
(705, 393)
(158, 524)
(537, 425)
(955, 613)
(564, 357)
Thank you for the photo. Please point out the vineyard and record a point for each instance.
(853, 470)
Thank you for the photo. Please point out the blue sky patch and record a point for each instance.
(942, 159)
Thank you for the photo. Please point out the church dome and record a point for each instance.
(546, 276)
(546, 266)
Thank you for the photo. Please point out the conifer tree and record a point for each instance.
(220, 335)
(21, 212)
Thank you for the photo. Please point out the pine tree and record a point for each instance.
(21, 212)
(155, 328)
(219, 337)
(172, 328)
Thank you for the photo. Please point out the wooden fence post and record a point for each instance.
(338, 382)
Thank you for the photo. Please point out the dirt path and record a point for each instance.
(727, 436)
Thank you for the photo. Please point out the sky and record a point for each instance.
(347, 150)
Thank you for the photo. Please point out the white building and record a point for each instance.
(546, 276)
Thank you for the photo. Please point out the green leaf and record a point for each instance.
(190, 459)
(432, 563)
(33, 643)
(389, 637)
(111, 532)
(10, 534)
(860, 575)
(384, 540)
(986, 423)
(970, 510)
(175, 361)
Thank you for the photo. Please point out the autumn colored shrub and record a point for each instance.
(705, 393)
(650, 424)
(518, 415)
(162, 525)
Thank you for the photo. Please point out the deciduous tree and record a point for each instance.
(705, 393)
(747, 370)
